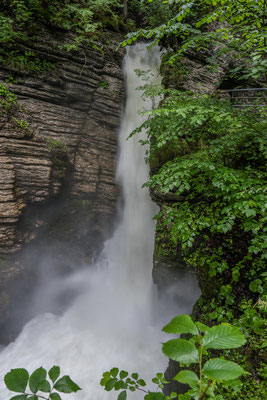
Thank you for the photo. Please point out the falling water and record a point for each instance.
(112, 322)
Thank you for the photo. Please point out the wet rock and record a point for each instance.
(57, 177)
(76, 104)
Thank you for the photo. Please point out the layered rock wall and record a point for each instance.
(76, 104)
(65, 157)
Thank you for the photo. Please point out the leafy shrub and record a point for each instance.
(215, 372)
(211, 158)
(238, 27)
(18, 380)
(21, 19)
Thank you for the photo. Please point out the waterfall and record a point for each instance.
(114, 321)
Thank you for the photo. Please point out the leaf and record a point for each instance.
(110, 384)
(19, 397)
(114, 372)
(123, 374)
(36, 378)
(188, 377)
(122, 395)
(33, 398)
(141, 382)
(44, 386)
(181, 350)
(222, 370)
(55, 396)
(184, 396)
(223, 336)
(17, 379)
(119, 385)
(105, 378)
(181, 324)
(54, 373)
(66, 385)
(255, 286)
(202, 327)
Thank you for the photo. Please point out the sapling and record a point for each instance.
(206, 375)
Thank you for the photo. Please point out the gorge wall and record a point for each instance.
(57, 166)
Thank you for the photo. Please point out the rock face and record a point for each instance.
(65, 157)
(76, 104)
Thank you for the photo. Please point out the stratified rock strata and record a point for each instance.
(77, 105)
(57, 176)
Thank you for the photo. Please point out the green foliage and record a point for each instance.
(56, 145)
(211, 158)
(24, 60)
(208, 170)
(7, 100)
(236, 25)
(17, 380)
(20, 21)
(153, 13)
(59, 153)
(213, 374)
(103, 84)
(10, 110)
(181, 324)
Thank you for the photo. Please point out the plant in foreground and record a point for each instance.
(206, 375)
(28, 386)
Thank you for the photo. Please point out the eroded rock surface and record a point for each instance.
(66, 156)
(76, 104)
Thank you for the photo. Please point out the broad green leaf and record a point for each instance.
(118, 385)
(181, 350)
(184, 397)
(181, 324)
(188, 377)
(33, 398)
(105, 378)
(123, 374)
(55, 396)
(36, 378)
(141, 382)
(135, 375)
(19, 397)
(222, 370)
(255, 286)
(202, 327)
(110, 384)
(114, 372)
(122, 395)
(44, 386)
(223, 336)
(54, 373)
(66, 385)
(17, 380)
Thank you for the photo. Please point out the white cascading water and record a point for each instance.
(112, 322)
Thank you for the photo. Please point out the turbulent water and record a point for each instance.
(116, 319)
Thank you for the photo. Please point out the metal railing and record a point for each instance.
(250, 97)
